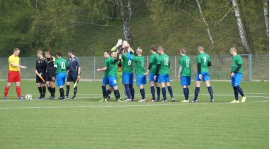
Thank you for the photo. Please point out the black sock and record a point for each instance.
(164, 93)
(40, 91)
(104, 91)
(153, 92)
(116, 94)
(67, 90)
(170, 91)
(210, 90)
(158, 93)
(53, 91)
(240, 91)
(128, 92)
(75, 90)
(185, 90)
(197, 91)
(108, 92)
(43, 91)
(142, 93)
(50, 90)
(62, 93)
(132, 91)
(235, 93)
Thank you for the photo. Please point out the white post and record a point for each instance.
(249, 67)
(94, 68)
(174, 67)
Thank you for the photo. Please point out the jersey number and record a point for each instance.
(187, 62)
(63, 65)
(166, 61)
(142, 63)
(129, 62)
(204, 60)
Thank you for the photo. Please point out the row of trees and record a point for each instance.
(49, 24)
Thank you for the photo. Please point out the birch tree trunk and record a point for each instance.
(265, 12)
(126, 15)
(242, 32)
(208, 30)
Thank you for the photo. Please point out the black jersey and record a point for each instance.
(41, 65)
(50, 66)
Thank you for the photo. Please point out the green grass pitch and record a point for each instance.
(87, 123)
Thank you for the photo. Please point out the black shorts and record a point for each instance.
(72, 76)
(49, 77)
(39, 80)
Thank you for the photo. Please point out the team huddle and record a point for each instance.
(118, 65)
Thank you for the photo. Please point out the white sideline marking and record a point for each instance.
(115, 106)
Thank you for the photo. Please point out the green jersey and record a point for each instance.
(139, 65)
(106, 72)
(184, 61)
(237, 59)
(153, 60)
(112, 67)
(127, 64)
(164, 61)
(61, 65)
(203, 58)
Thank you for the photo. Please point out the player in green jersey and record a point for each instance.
(140, 71)
(163, 72)
(236, 75)
(127, 77)
(184, 73)
(61, 66)
(112, 75)
(152, 69)
(105, 79)
(203, 62)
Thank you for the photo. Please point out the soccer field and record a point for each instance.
(87, 123)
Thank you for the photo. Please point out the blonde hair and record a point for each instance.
(233, 49)
(39, 52)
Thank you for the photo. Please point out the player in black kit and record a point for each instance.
(50, 76)
(41, 74)
(74, 71)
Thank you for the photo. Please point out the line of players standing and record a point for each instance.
(122, 57)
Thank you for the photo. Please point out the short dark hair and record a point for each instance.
(153, 48)
(48, 52)
(71, 51)
(59, 53)
(107, 52)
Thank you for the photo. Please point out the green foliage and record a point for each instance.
(92, 26)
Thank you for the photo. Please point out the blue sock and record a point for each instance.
(197, 91)
(104, 91)
(158, 93)
(185, 90)
(210, 90)
(153, 92)
(164, 93)
(235, 93)
(128, 91)
(240, 91)
(142, 93)
(170, 91)
(132, 91)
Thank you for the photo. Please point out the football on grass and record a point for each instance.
(28, 97)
